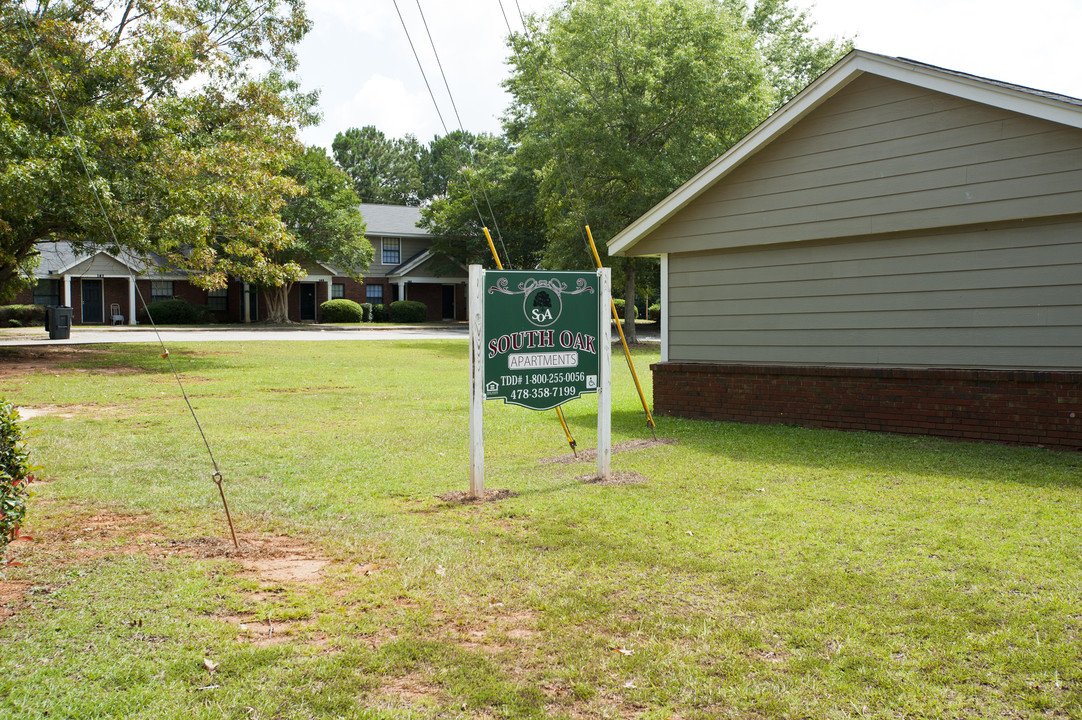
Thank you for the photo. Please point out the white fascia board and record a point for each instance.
(853, 65)
(417, 262)
(987, 92)
(826, 85)
(85, 258)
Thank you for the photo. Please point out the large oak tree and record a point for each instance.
(618, 102)
(142, 125)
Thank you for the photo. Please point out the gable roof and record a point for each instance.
(392, 220)
(1027, 101)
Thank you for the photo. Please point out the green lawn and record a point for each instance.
(754, 572)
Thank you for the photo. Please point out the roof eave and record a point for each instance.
(852, 66)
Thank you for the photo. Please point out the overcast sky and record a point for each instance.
(358, 55)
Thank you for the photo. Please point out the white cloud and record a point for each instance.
(387, 104)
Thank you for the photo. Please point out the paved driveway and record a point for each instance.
(143, 334)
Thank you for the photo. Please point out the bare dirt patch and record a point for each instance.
(590, 454)
(269, 558)
(25, 361)
(616, 479)
(12, 595)
(411, 689)
(463, 497)
(67, 411)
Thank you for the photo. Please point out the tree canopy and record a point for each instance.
(615, 103)
(494, 190)
(384, 170)
(151, 113)
(324, 224)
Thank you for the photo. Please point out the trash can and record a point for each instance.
(58, 322)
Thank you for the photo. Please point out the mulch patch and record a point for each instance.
(463, 497)
(616, 479)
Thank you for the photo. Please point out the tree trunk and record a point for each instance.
(278, 303)
(629, 303)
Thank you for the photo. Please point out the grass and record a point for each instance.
(758, 572)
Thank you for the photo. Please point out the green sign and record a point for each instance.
(540, 336)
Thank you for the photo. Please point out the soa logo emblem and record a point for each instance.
(542, 301)
(542, 305)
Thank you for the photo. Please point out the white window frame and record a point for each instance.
(391, 245)
(368, 294)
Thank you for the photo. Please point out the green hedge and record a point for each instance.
(341, 311)
(22, 315)
(174, 312)
(379, 313)
(620, 305)
(14, 476)
(654, 312)
(366, 310)
(408, 311)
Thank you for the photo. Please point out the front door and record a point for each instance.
(93, 301)
(448, 302)
(308, 302)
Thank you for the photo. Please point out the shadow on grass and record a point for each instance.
(107, 359)
(865, 452)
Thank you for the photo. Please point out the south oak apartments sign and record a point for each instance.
(538, 340)
(540, 333)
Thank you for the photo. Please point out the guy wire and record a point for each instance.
(439, 114)
(462, 129)
(217, 475)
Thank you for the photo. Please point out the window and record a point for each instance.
(392, 251)
(47, 292)
(161, 290)
(218, 300)
(374, 294)
(338, 291)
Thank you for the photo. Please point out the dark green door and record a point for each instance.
(93, 302)
(308, 301)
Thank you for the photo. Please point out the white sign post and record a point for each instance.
(477, 382)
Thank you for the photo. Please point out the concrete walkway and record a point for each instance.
(97, 334)
(169, 335)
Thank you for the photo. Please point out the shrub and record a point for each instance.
(408, 311)
(620, 305)
(341, 311)
(654, 312)
(366, 310)
(22, 315)
(14, 476)
(174, 312)
(379, 313)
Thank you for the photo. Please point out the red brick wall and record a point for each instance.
(1016, 407)
(429, 294)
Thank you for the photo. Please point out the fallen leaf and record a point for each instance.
(210, 664)
(441, 571)
(625, 651)
(689, 533)
(629, 685)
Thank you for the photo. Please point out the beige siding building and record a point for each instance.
(899, 248)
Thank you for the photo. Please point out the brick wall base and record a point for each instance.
(1016, 407)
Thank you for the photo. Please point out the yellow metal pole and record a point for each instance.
(623, 341)
(559, 412)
